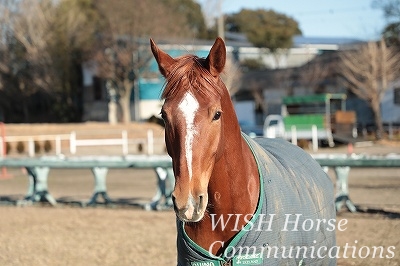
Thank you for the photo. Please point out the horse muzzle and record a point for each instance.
(193, 210)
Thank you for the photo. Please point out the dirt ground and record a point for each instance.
(125, 234)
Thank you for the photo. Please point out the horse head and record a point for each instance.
(193, 112)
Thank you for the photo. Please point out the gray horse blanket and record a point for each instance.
(294, 223)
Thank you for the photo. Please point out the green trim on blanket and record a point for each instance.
(245, 229)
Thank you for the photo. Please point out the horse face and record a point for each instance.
(193, 124)
(192, 136)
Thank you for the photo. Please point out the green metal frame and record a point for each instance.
(315, 98)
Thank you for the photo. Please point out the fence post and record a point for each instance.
(125, 142)
(58, 145)
(314, 137)
(31, 147)
(294, 135)
(72, 142)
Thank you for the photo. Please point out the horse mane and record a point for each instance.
(189, 73)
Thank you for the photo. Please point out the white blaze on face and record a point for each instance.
(188, 107)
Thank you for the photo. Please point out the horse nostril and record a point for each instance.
(174, 202)
(201, 200)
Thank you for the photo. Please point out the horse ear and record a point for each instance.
(217, 57)
(164, 60)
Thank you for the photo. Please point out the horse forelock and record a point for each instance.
(190, 74)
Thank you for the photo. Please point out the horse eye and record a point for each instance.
(217, 115)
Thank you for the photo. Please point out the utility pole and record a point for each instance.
(221, 28)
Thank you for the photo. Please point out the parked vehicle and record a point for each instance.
(321, 116)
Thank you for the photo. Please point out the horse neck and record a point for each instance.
(233, 187)
(236, 168)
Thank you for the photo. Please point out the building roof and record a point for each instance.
(329, 43)
(314, 98)
(300, 40)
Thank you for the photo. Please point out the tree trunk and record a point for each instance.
(125, 102)
(112, 113)
(376, 108)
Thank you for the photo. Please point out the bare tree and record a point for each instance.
(232, 75)
(47, 41)
(123, 50)
(26, 58)
(312, 74)
(367, 70)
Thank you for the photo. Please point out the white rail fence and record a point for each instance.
(295, 134)
(147, 144)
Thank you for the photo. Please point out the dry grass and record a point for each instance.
(127, 235)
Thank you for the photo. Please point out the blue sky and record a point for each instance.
(319, 18)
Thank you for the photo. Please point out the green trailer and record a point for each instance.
(319, 116)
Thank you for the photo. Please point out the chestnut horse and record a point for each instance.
(227, 187)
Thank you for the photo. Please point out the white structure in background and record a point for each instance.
(391, 104)
(245, 118)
